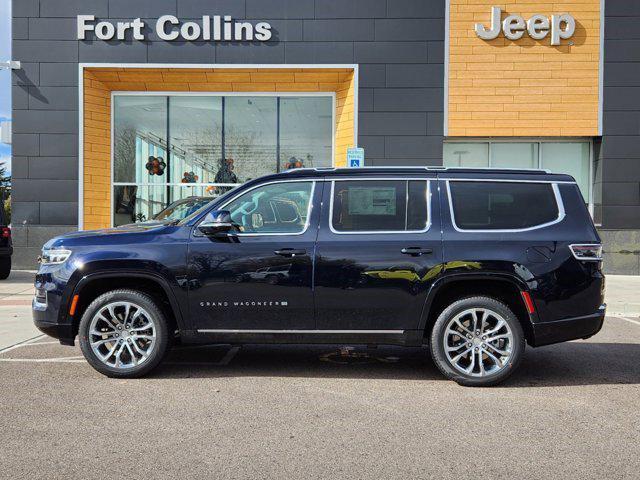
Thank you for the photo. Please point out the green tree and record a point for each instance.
(5, 192)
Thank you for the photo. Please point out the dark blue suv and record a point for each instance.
(473, 263)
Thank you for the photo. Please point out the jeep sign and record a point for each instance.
(561, 26)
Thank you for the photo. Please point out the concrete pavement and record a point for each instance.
(16, 293)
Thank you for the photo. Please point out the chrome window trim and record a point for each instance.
(274, 234)
(556, 194)
(249, 330)
(508, 180)
(382, 232)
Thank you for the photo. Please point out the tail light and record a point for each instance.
(589, 252)
(6, 232)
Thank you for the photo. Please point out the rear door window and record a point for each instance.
(380, 206)
(502, 205)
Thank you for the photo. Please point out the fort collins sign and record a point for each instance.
(538, 27)
(169, 27)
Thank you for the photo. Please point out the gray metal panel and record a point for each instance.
(413, 146)
(409, 29)
(318, 52)
(365, 99)
(53, 98)
(619, 153)
(260, 9)
(59, 74)
(55, 168)
(408, 99)
(29, 74)
(59, 213)
(58, 145)
(33, 190)
(415, 9)
(350, 9)
(286, 30)
(112, 51)
(21, 212)
(20, 28)
(141, 8)
(52, 28)
(181, 52)
(33, 121)
(20, 97)
(250, 53)
(19, 167)
(373, 75)
(71, 8)
(197, 8)
(415, 75)
(24, 144)
(45, 50)
(338, 30)
(390, 52)
(25, 8)
(393, 123)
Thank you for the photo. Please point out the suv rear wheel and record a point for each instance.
(477, 341)
(123, 334)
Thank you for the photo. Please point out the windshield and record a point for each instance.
(181, 209)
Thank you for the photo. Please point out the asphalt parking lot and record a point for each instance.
(571, 411)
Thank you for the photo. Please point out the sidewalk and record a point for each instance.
(16, 293)
(622, 297)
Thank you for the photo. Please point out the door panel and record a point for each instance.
(375, 280)
(258, 281)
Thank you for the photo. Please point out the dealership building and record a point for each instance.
(123, 106)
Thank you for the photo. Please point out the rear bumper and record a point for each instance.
(568, 329)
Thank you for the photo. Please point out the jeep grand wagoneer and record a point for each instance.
(474, 264)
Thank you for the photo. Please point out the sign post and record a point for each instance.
(355, 157)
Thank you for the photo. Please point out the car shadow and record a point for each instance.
(566, 364)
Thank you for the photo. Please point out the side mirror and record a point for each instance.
(217, 222)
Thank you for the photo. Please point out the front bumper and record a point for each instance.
(546, 333)
(45, 318)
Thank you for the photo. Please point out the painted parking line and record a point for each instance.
(24, 343)
(228, 356)
(630, 320)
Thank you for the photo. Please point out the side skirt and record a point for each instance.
(366, 337)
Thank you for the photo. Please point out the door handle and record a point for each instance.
(416, 251)
(290, 252)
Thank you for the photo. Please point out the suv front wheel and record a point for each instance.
(123, 334)
(477, 341)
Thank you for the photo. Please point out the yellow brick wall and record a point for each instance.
(100, 82)
(524, 87)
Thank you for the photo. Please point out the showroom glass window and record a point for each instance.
(568, 156)
(166, 148)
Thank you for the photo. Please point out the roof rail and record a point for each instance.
(415, 167)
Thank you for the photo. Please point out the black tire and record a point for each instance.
(162, 333)
(437, 341)
(5, 267)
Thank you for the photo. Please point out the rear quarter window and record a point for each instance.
(502, 205)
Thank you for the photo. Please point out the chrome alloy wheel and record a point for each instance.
(478, 342)
(122, 334)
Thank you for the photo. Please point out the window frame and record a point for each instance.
(260, 185)
(428, 180)
(113, 184)
(540, 141)
(556, 193)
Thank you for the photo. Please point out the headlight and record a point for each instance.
(54, 256)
